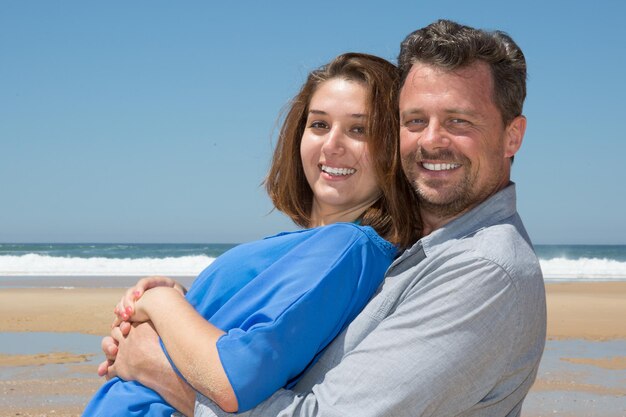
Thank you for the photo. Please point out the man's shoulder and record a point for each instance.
(502, 246)
(505, 244)
(497, 258)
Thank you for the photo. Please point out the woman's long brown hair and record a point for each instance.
(394, 215)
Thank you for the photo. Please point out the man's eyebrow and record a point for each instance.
(417, 110)
(466, 112)
(410, 111)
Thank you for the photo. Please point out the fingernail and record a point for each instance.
(129, 309)
(136, 293)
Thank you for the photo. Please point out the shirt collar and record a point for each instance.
(495, 209)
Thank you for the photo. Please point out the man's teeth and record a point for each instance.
(338, 171)
(439, 167)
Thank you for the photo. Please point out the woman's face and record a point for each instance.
(334, 150)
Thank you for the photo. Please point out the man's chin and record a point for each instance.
(436, 196)
(442, 204)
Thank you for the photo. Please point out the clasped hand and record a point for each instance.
(123, 358)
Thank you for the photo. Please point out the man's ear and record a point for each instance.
(514, 135)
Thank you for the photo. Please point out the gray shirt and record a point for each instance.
(456, 329)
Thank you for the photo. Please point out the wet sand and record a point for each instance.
(583, 320)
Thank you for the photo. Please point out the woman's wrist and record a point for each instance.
(156, 297)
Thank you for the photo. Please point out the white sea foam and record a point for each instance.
(43, 265)
(556, 269)
(583, 269)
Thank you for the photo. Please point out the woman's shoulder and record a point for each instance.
(348, 233)
(338, 229)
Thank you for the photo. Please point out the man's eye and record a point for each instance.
(460, 126)
(413, 124)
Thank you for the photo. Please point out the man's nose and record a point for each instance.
(434, 136)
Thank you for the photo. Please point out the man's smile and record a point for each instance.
(439, 167)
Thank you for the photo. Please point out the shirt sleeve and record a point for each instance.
(436, 354)
(300, 303)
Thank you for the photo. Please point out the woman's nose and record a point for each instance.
(333, 143)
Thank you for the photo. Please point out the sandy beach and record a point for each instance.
(588, 313)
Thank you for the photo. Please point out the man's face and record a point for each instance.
(455, 148)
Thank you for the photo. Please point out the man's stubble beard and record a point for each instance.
(455, 200)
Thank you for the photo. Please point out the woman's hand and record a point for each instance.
(126, 308)
(135, 354)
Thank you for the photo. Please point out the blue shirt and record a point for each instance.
(280, 300)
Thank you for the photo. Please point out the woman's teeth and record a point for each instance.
(338, 171)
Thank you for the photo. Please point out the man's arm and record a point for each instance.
(439, 353)
(140, 357)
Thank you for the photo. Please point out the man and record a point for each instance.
(458, 326)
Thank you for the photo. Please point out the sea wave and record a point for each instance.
(590, 269)
(554, 269)
(44, 265)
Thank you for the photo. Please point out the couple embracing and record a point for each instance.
(412, 289)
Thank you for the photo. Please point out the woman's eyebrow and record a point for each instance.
(353, 115)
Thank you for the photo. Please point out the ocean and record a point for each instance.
(19, 262)
(101, 265)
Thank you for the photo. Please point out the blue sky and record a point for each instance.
(153, 121)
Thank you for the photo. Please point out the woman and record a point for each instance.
(262, 312)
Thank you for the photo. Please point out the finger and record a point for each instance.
(128, 301)
(155, 281)
(143, 285)
(116, 322)
(118, 317)
(103, 368)
(117, 335)
(125, 328)
(143, 282)
(110, 349)
(111, 372)
(106, 342)
(122, 311)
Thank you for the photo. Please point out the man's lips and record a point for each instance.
(431, 166)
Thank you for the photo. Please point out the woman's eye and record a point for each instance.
(318, 125)
(358, 130)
